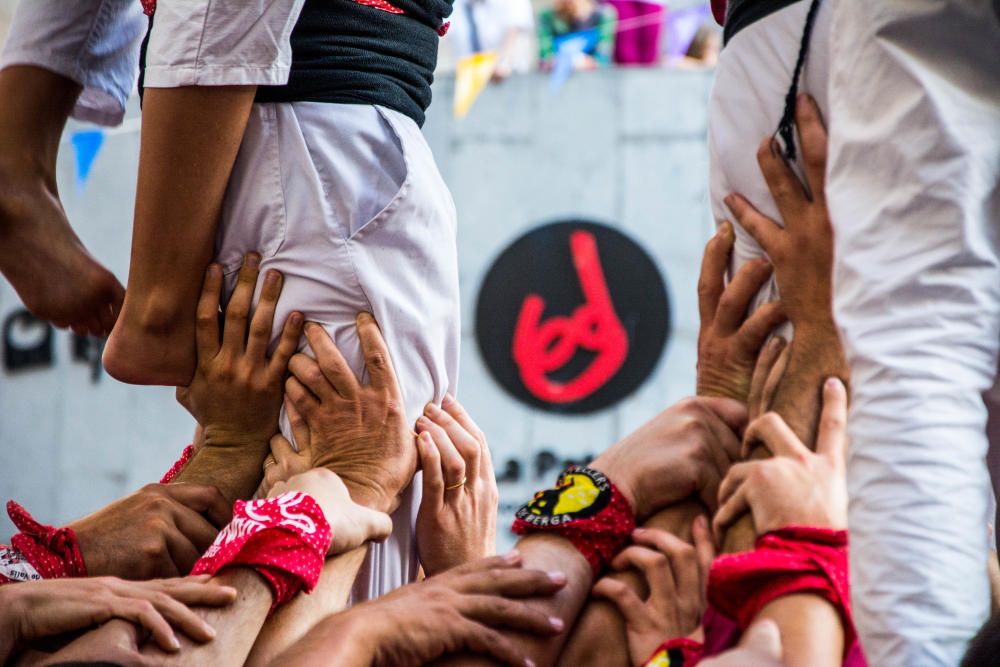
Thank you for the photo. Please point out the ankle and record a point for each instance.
(158, 314)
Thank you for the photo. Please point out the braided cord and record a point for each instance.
(787, 123)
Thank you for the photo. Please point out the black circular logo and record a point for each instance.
(572, 317)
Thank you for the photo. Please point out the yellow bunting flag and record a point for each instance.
(471, 77)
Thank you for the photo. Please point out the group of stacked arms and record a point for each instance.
(714, 534)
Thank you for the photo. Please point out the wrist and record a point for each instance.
(12, 604)
(622, 478)
(368, 495)
(216, 437)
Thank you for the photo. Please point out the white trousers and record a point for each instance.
(347, 202)
(910, 93)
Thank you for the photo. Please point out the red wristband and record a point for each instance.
(40, 551)
(179, 465)
(586, 509)
(679, 652)
(285, 539)
(794, 559)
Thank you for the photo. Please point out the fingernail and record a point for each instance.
(556, 623)
(512, 556)
(431, 409)
(423, 421)
(639, 532)
(271, 279)
(209, 631)
(252, 260)
(831, 383)
(528, 662)
(174, 644)
(701, 522)
(364, 315)
(448, 399)
(729, 199)
(214, 270)
(296, 319)
(557, 577)
(775, 148)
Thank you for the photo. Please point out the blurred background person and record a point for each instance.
(503, 27)
(640, 28)
(593, 24)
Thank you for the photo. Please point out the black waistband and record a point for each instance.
(743, 13)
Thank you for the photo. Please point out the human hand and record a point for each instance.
(358, 431)
(454, 525)
(796, 486)
(676, 573)
(802, 252)
(236, 390)
(351, 524)
(685, 450)
(460, 610)
(158, 531)
(285, 461)
(760, 646)
(36, 610)
(728, 341)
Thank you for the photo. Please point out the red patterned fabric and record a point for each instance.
(149, 6)
(285, 539)
(39, 551)
(179, 465)
(795, 559)
(679, 652)
(600, 537)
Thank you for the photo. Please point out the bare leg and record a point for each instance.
(598, 638)
(41, 256)
(190, 138)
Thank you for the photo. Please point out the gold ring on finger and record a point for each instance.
(456, 486)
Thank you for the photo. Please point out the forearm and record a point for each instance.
(816, 353)
(236, 471)
(812, 634)
(236, 626)
(293, 621)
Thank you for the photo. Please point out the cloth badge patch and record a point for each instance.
(580, 493)
(14, 566)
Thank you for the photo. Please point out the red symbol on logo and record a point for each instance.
(541, 348)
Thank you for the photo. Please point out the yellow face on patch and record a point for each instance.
(574, 495)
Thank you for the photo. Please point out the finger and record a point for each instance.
(195, 527)
(813, 140)
(723, 442)
(484, 640)
(765, 231)
(760, 324)
(180, 616)
(331, 362)
(108, 316)
(430, 464)
(377, 360)
(763, 637)
(736, 298)
(288, 344)
(514, 583)
(704, 548)
(787, 190)
(655, 568)
(765, 362)
(300, 430)
(281, 449)
(500, 612)
(631, 607)
(198, 592)
(461, 415)
(774, 378)
(735, 506)
(305, 402)
(308, 371)
(142, 613)
(735, 477)
(712, 280)
(182, 551)
(378, 525)
(774, 433)
(207, 317)
(452, 462)
(202, 498)
(235, 332)
(732, 413)
(94, 326)
(263, 316)
(467, 445)
(831, 439)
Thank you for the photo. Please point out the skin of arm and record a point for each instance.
(190, 138)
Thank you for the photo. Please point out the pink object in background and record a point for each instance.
(640, 26)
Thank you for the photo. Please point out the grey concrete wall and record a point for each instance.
(626, 148)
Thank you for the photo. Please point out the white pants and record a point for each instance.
(347, 202)
(914, 192)
(912, 189)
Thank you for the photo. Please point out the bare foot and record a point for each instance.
(151, 347)
(53, 274)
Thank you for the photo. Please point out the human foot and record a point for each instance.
(151, 346)
(44, 260)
